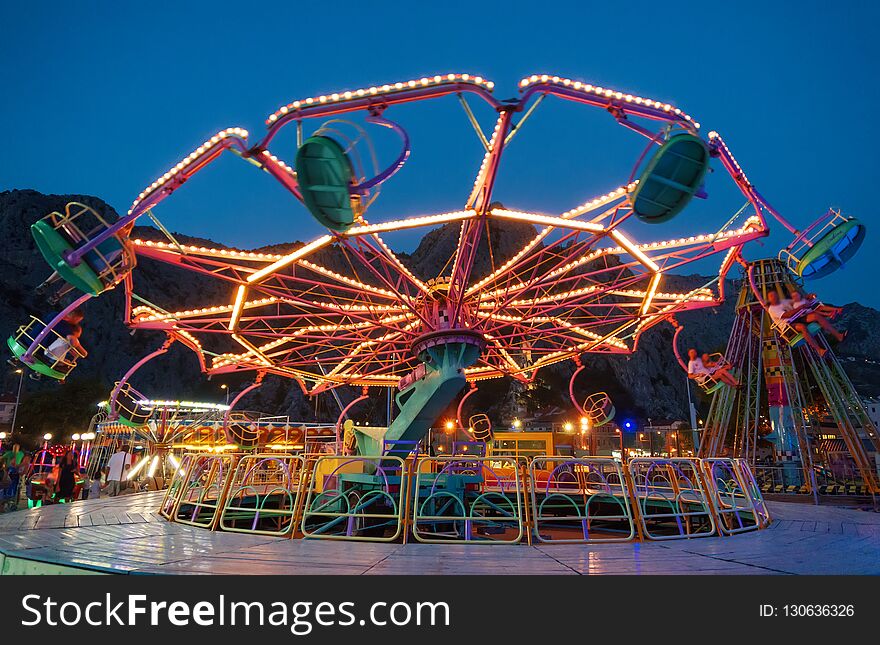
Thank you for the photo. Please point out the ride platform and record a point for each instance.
(126, 535)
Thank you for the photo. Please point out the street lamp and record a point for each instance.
(225, 387)
(585, 428)
(20, 373)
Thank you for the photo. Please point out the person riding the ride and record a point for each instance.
(58, 350)
(701, 367)
(69, 331)
(810, 300)
(785, 314)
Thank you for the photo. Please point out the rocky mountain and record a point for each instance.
(646, 384)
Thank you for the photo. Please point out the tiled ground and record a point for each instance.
(125, 535)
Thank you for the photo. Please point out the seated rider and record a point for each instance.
(69, 331)
(810, 301)
(57, 351)
(784, 314)
(699, 369)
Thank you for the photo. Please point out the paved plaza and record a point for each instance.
(125, 535)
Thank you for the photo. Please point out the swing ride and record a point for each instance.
(345, 310)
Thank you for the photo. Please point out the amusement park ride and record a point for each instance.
(345, 310)
(167, 429)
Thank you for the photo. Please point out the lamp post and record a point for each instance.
(692, 411)
(20, 373)
(225, 387)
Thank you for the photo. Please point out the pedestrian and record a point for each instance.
(119, 462)
(15, 464)
(67, 476)
(95, 486)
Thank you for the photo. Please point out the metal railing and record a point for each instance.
(839, 478)
(671, 498)
(264, 495)
(580, 500)
(355, 498)
(170, 500)
(732, 492)
(467, 499)
(500, 499)
(203, 491)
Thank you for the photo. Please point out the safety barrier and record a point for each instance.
(201, 495)
(264, 495)
(176, 486)
(671, 499)
(580, 500)
(754, 491)
(355, 498)
(468, 499)
(732, 492)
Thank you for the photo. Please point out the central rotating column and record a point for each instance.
(425, 393)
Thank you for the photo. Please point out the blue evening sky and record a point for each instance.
(103, 97)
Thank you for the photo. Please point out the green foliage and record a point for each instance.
(61, 410)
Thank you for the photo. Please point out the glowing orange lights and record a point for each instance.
(380, 90)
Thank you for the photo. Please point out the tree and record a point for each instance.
(61, 410)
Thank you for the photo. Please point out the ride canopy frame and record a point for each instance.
(344, 309)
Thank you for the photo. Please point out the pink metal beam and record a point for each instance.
(134, 368)
(344, 413)
(253, 386)
(325, 110)
(458, 410)
(580, 368)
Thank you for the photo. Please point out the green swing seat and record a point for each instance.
(599, 408)
(671, 178)
(326, 175)
(134, 421)
(18, 350)
(831, 251)
(85, 276)
(606, 418)
(128, 410)
(482, 427)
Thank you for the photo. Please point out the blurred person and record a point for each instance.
(68, 471)
(117, 466)
(699, 370)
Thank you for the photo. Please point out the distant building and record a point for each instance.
(566, 425)
(872, 406)
(552, 419)
(7, 408)
(664, 437)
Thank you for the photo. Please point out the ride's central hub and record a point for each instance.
(431, 348)
(439, 311)
(450, 342)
